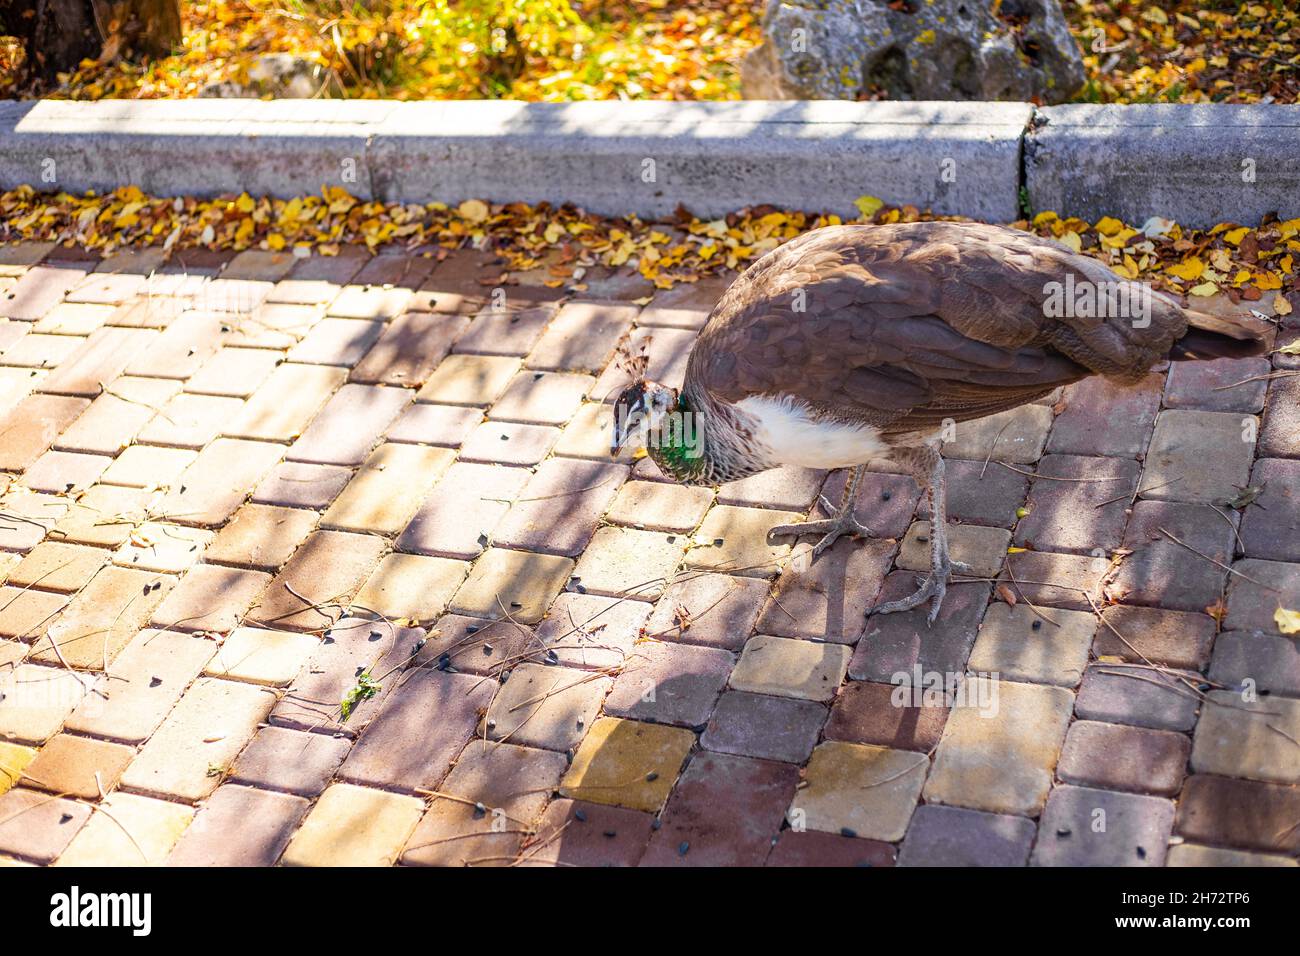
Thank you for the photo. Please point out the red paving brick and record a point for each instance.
(811, 848)
(290, 760)
(558, 509)
(1225, 811)
(885, 714)
(354, 646)
(349, 425)
(724, 812)
(396, 751)
(33, 425)
(461, 513)
(756, 725)
(578, 833)
(239, 826)
(410, 349)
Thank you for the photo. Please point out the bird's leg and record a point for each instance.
(934, 585)
(842, 521)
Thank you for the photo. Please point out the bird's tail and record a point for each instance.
(1212, 336)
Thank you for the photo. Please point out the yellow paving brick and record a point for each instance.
(286, 402)
(163, 547)
(389, 487)
(148, 466)
(412, 586)
(790, 668)
(13, 758)
(867, 789)
(73, 318)
(627, 763)
(262, 656)
(25, 613)
(984, 549)
(1000, 746)
(104, 516)
(54, 566)
(196, 744)
(35, 700)
(12, 653)
(469, 380)
(103, 617)
(16, 384)
(515, 584)
(735, 540)
(624, 561)
(354, 826)
(129, 831)
(588, 435)
(1191, 854)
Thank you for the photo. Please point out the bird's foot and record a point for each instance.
(932, 587)
(831, 529)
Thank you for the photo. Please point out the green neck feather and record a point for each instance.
(679, 450)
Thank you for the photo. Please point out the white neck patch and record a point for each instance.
(790, 435)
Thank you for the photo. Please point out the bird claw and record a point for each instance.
(831, 529)
(931, 587)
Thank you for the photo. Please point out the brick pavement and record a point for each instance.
(337, 482)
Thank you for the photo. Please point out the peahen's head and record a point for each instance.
(655, 417)
(642, 411)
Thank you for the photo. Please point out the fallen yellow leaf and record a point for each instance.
(1189, 269)
(475, 210)
(868, 205)
(1108, 226)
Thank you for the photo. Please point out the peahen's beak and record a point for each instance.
(618, 440)
(626, 429)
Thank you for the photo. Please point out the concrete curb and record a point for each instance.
(713, 158)
(647, 157)
(611, 158)
(1196, 164)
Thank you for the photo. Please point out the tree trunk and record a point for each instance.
(59, 34)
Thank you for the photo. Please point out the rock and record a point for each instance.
(278, 75)
(914, 50)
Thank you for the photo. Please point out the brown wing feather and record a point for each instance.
(903, 326)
